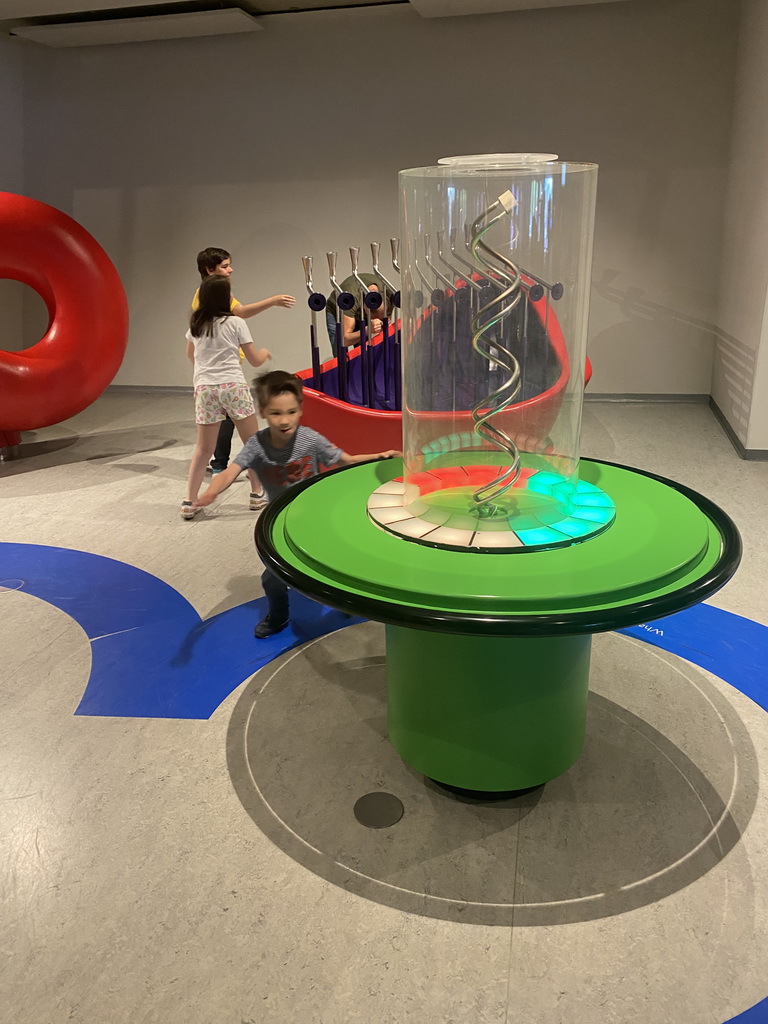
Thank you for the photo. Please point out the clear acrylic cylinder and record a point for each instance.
(496, 255)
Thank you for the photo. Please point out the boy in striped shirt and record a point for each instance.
(282, 454)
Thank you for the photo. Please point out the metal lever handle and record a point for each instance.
(394, 244)
(331, 257)
(307, 264)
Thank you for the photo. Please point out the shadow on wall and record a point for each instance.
(733, 375)
(688, 341)
(733, 362)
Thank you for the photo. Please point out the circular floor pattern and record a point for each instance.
(662, 793)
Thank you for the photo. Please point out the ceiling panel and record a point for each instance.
(123, 20)
(450, 8)
(286, 6)
(140, 30)
(10, 9)
(52, 8)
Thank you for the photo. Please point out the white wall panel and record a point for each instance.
(740, 378)
(288, 142)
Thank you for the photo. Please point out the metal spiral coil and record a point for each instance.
(500, 307)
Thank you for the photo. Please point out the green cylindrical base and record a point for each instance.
(487, 713)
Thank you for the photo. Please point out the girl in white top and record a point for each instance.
(214, 341)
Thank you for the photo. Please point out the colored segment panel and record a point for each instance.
(659, 542)
(539, 510)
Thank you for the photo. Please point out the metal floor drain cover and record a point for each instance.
(378, 810)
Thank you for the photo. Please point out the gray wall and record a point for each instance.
(11, 180)
(740, 377)
(288, 142)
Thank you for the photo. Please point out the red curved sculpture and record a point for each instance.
(88, 316)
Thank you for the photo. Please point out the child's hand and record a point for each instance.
(390, 455)
(286, 301)
(205, 499)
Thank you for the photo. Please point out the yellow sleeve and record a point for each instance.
(232, 305)
(233, 302)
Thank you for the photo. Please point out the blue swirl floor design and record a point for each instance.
(153, 656)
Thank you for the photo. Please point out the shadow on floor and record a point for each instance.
(107, 444)
(634, 820)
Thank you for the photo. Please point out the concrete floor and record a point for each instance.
(161, 870)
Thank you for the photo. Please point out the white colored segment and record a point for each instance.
(497, 539)
(412, 528)
(391, 487)
(385, 516)
(378, 500)
(454, 538)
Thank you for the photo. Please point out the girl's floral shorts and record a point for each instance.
(214, 402)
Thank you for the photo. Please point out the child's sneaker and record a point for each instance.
(188, 510)
(267, 628)
(258, 501)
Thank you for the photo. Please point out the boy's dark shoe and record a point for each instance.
(268, 628)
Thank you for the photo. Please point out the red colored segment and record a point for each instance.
(446, 477)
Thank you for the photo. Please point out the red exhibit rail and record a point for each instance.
(362, 430)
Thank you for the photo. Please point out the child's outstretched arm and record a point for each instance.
(256, 356)
(219, 483)
(249, 309)
(350, 460)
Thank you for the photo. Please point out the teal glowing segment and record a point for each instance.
(575, 528)
(564, 493)
(548, 479)
(595, 515)
(545, 483)
(537, 538)
(593, 500)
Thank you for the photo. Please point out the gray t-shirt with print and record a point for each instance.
(300, 459)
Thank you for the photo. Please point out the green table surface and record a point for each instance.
(667, 548)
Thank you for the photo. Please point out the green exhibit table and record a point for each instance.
(488, 653)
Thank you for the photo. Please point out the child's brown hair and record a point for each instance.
(278, 382)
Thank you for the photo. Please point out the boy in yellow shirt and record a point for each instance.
(218, 261)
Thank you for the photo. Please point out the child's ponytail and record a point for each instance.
(214, 301)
